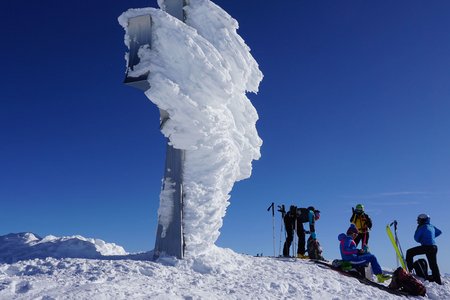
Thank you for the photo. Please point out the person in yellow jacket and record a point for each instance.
(363, 223)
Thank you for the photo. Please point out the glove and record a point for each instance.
(313, 235)
(365, 248)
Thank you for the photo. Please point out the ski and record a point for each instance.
(363, 280)
(289, 258)
(395, 243)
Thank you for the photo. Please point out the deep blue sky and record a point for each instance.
(354, 108)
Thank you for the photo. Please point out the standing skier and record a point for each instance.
(363, 223)
(293, 220)
(425, 235)
(350, 253)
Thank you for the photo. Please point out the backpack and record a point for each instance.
(420, 266)
(303, 214)
(314, 249)
(402, 280)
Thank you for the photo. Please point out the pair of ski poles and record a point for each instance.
(283, 211)
(272, 207)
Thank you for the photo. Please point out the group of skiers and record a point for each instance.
(360, 226)
(293, 221)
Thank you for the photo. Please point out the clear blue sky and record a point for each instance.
(354, 108)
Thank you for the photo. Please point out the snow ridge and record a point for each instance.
(21, 246)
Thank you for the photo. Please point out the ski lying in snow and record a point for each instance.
(354, 274)
(285, 258)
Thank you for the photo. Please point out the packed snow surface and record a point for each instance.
(221, 274)
(200, 71)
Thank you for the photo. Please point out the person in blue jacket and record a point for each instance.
(350, 253)
(425, 235)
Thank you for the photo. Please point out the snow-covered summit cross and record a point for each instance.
(170, 240)
(197, 70)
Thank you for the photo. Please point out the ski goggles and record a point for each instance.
(317, 215)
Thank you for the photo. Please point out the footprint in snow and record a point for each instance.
(23, 287)
(4, 284)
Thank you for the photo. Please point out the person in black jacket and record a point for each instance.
(363, 223)
(293, 220)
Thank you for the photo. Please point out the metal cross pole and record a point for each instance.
(169, 240)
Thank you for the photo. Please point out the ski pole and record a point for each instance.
(273, 225)
(282, 210)
(398, 241)
(295, 238)
(396, 244)
(281, 234)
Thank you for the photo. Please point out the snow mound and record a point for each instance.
(22, 246)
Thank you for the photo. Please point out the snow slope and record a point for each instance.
(221, 274)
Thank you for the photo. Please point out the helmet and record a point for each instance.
(316, 214)
(423, 219)
(352, 229)
(359, 208)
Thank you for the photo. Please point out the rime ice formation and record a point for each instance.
(200, 72)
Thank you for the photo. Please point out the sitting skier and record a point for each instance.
(425, 235)
(363, 223)
(350, 253)
(293, 220)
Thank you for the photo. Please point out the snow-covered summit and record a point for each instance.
(220, 274)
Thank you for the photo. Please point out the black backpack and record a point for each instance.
(303, 214)
(420, 266)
